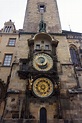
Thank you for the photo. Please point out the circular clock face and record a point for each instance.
(43, 87)
(42, 62)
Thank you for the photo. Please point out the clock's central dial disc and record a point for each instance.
(41, 60)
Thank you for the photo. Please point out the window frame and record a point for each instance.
(7, 61)
(10, 42)
(74, 55)
(38, 45)
(7, 29)
(46, 47)
(42, 8)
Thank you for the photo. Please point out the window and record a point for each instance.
(46, 47)
(37, 46)
(43, 115)
(11, 42)
(80, 50)
(7, 29)
(42, 8)
(74, 55)
(7, 60)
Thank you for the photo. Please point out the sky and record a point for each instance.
(70, 12)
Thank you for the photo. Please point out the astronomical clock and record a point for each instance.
(42, 87)
(42, 81)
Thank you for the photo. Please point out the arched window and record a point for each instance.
(5, 29)
(74, 55)
(43, 115)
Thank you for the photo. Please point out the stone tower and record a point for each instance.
(40, 69)
(34, 10)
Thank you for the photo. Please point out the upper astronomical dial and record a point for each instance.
(42, 62)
